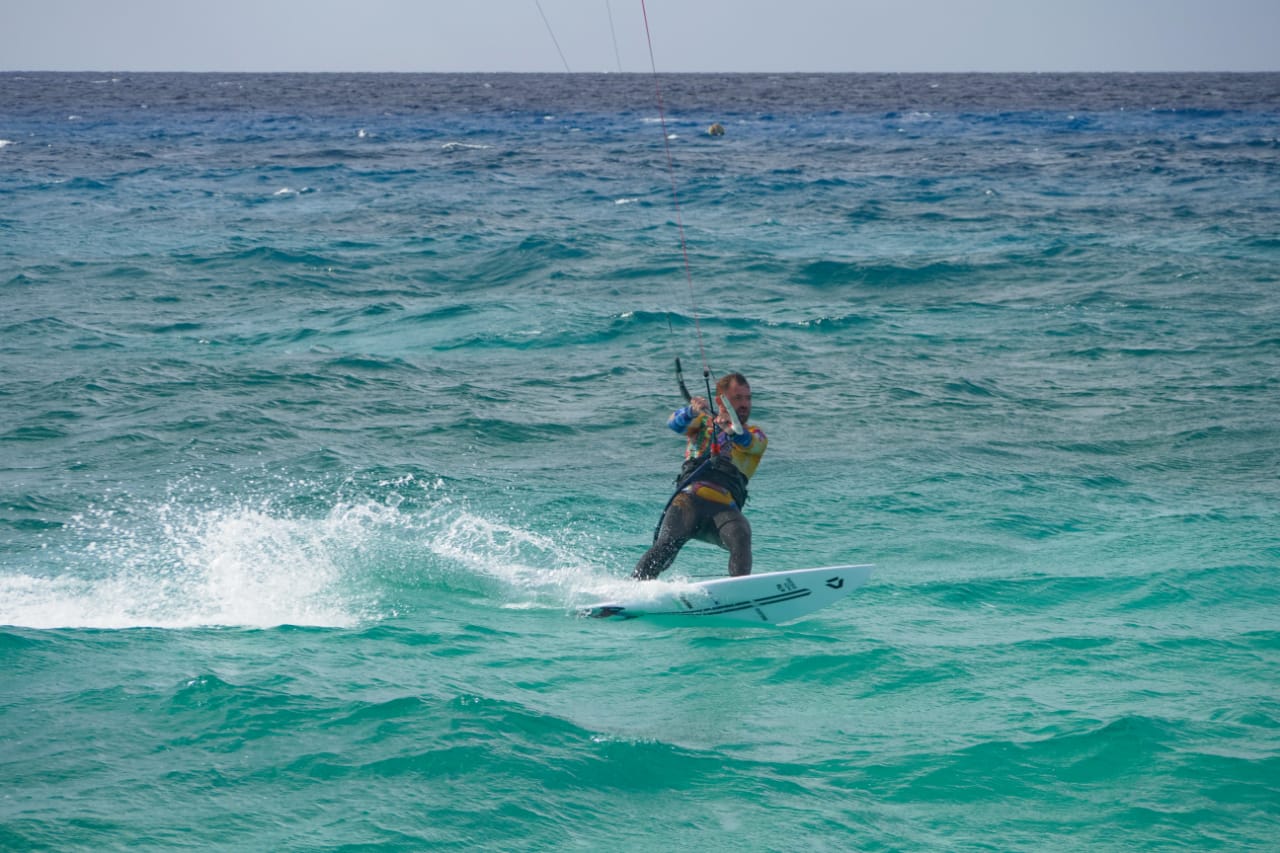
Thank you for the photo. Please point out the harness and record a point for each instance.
(715, 471)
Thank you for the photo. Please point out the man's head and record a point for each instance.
(734, 390)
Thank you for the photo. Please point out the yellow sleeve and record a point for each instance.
(747, 459)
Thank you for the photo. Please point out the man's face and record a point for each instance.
(738, 396)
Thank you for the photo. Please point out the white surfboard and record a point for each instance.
(749, 600)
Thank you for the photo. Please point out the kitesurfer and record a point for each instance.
(712, 487)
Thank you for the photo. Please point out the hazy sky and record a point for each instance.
(688, 35)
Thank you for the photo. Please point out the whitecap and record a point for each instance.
(532, 568)
(240, 566)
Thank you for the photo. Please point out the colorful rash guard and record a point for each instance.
(743, 451)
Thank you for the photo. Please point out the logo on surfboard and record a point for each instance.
(836, 582)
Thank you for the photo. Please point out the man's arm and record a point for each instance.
(684, 418)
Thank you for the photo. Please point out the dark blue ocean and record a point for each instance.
(325, 400)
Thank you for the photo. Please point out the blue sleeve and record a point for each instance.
(680, 419)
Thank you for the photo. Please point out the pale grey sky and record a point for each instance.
(688, 35)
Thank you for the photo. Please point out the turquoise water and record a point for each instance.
(326, 400)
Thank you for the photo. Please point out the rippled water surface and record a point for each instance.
(325, 400)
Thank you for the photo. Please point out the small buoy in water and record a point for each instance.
(716, 129)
